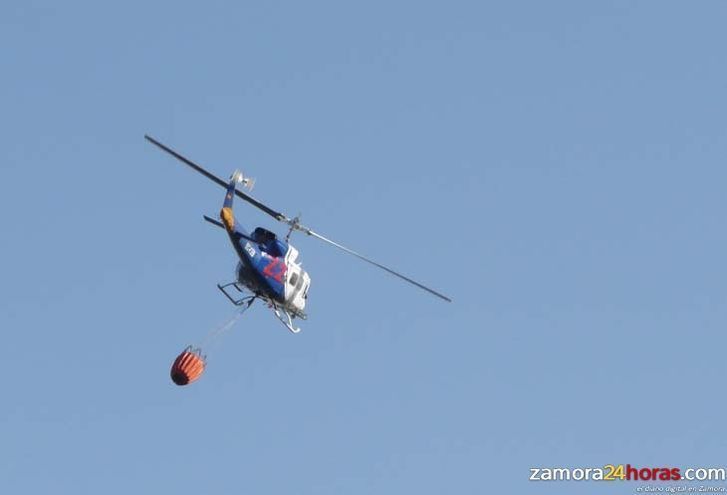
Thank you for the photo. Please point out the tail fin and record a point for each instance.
(226, 215)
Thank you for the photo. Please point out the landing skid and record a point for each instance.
(286, 320)
(225, 289)
(234, 292)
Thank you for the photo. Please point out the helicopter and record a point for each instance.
(269, 268)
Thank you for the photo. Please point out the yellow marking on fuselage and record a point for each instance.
(228, 218)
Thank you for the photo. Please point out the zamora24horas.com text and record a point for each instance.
(627, 472)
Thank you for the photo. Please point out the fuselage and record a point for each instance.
(270, 267)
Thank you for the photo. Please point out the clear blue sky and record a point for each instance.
(557, 168)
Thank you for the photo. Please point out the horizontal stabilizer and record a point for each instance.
(213, 221)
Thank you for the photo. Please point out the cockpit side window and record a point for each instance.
(294, 279)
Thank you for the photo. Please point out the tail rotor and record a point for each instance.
(246, 182)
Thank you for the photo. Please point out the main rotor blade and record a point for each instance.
(275, 214)
(367, 260)
(282, 218)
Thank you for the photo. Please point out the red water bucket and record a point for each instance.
(188, 366)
